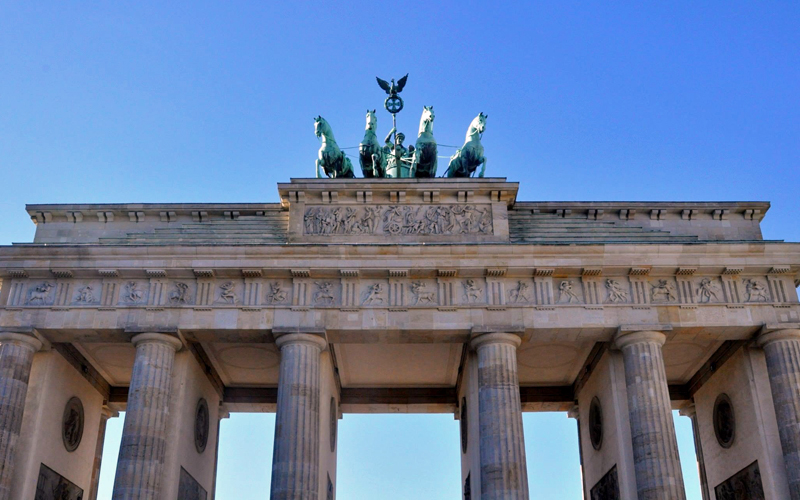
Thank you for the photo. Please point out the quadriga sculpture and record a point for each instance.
(331, 160)
(370, 152)
(470, 156)
(425, 151)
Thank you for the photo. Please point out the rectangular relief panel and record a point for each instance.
(607, 488)
(745, 484)
(189, 488)
(54, 486)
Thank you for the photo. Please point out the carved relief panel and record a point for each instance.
(397, 220)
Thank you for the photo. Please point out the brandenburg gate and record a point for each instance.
(400, 295)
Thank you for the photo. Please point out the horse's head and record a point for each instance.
(372, 120)
(479, 123)
(321, 127)
(426, 122)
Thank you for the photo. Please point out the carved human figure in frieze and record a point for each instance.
(133, 293)
(85, 295)
(616, 293)
(276, 293)
(374, 295)
(565, 291)
(472, 290)
(227, 292)
(521, 293)
(398, 220)
(756, 291)
(181, 293)
(707, 290)
(421, 293)
(324, 293)
(40, 293)
(663, 290)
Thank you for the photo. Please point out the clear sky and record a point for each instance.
(199, 101)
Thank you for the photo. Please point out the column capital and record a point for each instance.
(106, 413)
(157, 338)
(483, 339)
(770, 335)
(625, 338)
(311, 339)
(689, 410)
(23, 339)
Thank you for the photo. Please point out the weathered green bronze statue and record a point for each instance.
(425, 154)
(467, 159)
(393, 159)
(331, 160)
(370, 153)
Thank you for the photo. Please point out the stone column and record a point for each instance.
(502, 444)
(16, 358)
(295, 459)
(575, 413)
(691, 412)
(782, 350)
(655, 447)
(141, 453)
(105, 414)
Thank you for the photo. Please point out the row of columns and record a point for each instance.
(295, 470)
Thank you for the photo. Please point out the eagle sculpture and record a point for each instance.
(393, 88)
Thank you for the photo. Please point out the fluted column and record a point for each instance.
(504, 473)
(655, 447)
(105, 414)
(141, 453)
(295, 459)
(782, 350)
(691, 412)
(16, 358)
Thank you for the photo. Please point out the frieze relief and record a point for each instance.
(398, 220)
(357, 292)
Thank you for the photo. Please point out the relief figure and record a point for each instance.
(40, 292)
(85, 295)
(707, 290)
(276, 293)
(565, 291)
(615, 292)
(422, 294)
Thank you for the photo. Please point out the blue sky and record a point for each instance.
(202, 101)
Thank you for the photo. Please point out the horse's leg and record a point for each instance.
(483, 168)
(319, 174)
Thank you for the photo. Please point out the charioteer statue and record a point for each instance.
(393, 159)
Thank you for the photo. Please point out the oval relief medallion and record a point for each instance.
(596, 424)
(464, 425)
(72, 424)
(201, 425)
(724, 421)
(334, 414)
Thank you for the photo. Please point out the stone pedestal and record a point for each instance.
(16, 357)
(503, 469)
(782, 349)
(296, 461)
(655, 447)
(143, 447)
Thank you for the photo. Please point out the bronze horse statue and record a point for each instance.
(467, 159)
(331, 160)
